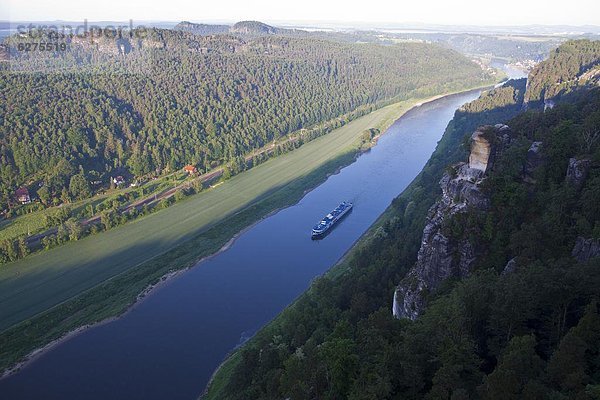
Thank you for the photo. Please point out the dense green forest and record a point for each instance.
(173, 98)
(573, 65)
(529, 331)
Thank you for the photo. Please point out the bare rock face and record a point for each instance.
(481, 148)
(464, 188)
(586, 249)
(511, 266)
(486, 142)
(441, 257)
(577, 172)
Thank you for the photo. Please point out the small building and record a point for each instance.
(22, 195)
(190, 169)
(118, 180)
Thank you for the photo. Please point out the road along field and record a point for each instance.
(43, 280)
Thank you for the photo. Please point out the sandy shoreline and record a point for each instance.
(168, 277)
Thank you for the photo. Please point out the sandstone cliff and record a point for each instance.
(441, 257)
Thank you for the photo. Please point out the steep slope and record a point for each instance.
(439, 257)
(573, 66)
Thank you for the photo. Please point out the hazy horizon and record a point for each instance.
(378, 12)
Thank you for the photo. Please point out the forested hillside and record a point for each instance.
(522, 323)
(574, 65)
(510, 47)
(174, 98)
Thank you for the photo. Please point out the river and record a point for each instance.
(510, 71)
(168, 345)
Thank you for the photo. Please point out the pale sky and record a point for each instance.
(458, 12)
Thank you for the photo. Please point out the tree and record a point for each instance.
(226, 172)
(23, 248)
(179, 195)
(75, 229)
(62, 234)
(108, 218)
(10, 249)
(64, 196)
(589, 138)
(459, 372)
(518, 368)
(342, 365)
(49, 241)
(44, 195)
(79, 187)
(577, 354)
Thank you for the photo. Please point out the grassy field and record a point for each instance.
(43, 280)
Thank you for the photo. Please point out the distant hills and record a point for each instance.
(239, 28)
(202, 29)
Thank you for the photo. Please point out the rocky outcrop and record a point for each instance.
(485, 143)
(577, 171)
(480, 151)
(510, 267)
(440, 256)
(586, 249)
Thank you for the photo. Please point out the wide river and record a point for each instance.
(168, 346)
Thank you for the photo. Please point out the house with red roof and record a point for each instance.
(190, 169)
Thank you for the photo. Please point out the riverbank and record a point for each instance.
(114, 296)
(82, 264)
(152, 287)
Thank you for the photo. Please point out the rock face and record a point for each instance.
(486, 142)
(480, 151)
(585, 249)
(441, 257)
(511, 266)
(577, 172)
